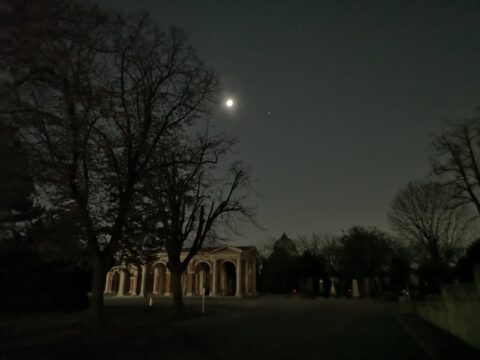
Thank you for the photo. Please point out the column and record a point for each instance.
(144, 281)
(156, 279)
(333, 291)
(167, 283)
(215, 278)
(248, 273)
(121, 286)
(355, 292)
(239, 277)
(107, 285)
(133, 285)
(190, 281)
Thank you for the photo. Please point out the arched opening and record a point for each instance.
(159, 279)
(128, 283)
(115, 282)
(131, 280)
(202, 279)
(229, 278)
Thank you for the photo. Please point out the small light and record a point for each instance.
(229, 102)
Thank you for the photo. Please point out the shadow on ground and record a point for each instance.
(260, 328)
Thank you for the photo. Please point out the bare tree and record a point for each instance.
(191, 202)
(423, 213)
(316, 243)
(97, 97)
(326, 244)
(455, 159)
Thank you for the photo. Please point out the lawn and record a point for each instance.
(231, 328)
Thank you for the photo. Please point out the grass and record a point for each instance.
(231, 328)
(122, 318)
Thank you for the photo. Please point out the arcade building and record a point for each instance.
(220, 271)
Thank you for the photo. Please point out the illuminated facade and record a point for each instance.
(221, 271)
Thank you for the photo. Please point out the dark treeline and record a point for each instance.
(383, 266)
(435, 233)
(326, 265)
(437, 216)
(42, 265)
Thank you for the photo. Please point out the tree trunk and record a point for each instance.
(96, 299)
(177, 293)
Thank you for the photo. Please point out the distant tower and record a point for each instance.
(285, 244)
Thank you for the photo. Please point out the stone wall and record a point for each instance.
(456, 310)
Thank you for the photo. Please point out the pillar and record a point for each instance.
(190, 282)
(167, 283)
(144, 281)
(333, 291)
(107, 283)
(156, 278)
(215, 278)
(121, 286)
(133, 285)
(355, 292)
(239, 277)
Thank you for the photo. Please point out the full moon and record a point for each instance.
(229, 102)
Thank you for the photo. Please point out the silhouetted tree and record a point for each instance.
(455, 159)
(399, 268)
(364, 253)
(33, 283)
(278, 271)
(29, 246)
(97, 96)
(190, 202)
(16, 185)
(318, 260)
(424, 214)
(311, 266)
(465, 266)
(324, 244)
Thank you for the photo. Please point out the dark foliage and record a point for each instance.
(97, 95)
(380, 265)
(278, 273)
(284, 271)
(465, 266)
(365, 252)
(399, 270)
(16, 185)
(29, 283)
(310, 268)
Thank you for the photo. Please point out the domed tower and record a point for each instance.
(285, 244)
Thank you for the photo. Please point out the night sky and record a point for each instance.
(336, 101)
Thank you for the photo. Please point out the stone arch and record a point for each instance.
(115, 282)
(126, 282)
(132, 280)
(159, 284)
(202, 278)
(228, 278)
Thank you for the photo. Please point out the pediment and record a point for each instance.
(226, 249)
